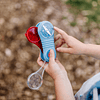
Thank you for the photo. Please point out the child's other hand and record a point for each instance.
(55, 69)
(74, 46)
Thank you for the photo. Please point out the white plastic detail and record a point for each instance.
(46, 30)
(95, 94)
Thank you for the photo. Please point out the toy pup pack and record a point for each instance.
(43, 36)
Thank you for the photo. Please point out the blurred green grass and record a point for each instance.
(87, 8)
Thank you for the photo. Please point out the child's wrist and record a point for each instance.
(84, 49)
(62, 76)
(87, 49)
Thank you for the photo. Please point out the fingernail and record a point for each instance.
(57, 49)
(49, 54)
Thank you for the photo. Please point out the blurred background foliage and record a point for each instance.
(88, 8)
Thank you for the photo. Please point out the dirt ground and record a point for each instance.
(18, 56)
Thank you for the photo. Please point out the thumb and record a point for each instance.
(65, 50)
(52, 56)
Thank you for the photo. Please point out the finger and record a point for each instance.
(39, 61)
(63, 34)
(60, 43)
(52, 56)
(65, 50)
(57, 37)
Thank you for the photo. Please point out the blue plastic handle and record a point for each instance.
(46, 34)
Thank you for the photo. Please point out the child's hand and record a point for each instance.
(74, 45)
(55, 69)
